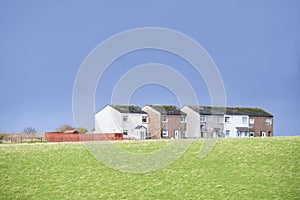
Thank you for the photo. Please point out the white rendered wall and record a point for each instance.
(108, 120)
(192, 122)
(235, 121)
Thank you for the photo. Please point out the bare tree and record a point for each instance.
(29, 132)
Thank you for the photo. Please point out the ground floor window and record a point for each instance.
(227, 133)
(262, 134)
(165, 133)
(125, 132)
(251, 134)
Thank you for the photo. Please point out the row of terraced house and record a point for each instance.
(161, 121)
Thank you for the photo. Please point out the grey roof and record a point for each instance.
(258, 112)
(167, 110)
(209, 110)
(128, 109)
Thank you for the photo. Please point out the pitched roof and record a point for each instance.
(71, 131)
(247, 111)
(209, 110)
(140, 126)
(128, 109)
(167, 110)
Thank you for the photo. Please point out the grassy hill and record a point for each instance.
(256, 168)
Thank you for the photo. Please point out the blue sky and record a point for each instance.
(255, 45)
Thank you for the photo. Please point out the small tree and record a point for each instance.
(64, 128)
(81, 130)
(29, 131)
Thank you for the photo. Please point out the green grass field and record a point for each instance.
(256, 168)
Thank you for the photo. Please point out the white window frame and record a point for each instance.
(125, 132)
(125, 118)
(268, 121)
(182, 119)
(165, 133)
(202, 118)
(202, 125)
(164, 118)
(143, 119)
(244, 120)
(227, 121)
(220, 120)
(227, 133)
(251, 134)
(251, 120)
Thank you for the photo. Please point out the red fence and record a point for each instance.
(67, 137)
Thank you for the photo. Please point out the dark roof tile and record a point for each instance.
(128, 109)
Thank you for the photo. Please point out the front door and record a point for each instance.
(176, 134)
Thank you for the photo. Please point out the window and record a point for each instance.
(202, 118)
(227, 133)
(202, 127)
(220, 119)
(244, 119)
(268, 121)
(125, 118)
(226, 119)
(182, 119)
(251, 134)
(165, 133)
(251, 121)
(262, 134)
(246, 134)
(125, 132)
(144, 119)
(164, 118)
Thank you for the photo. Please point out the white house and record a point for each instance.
(129, 120)
(236, 123)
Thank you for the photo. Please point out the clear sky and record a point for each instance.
(255, 44)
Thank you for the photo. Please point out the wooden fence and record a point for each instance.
(20, 138)
(69, 137)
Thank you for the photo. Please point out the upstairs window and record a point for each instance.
(268, 121)
(220, 119)
(144, 119)
(244, 119)
(202, 118)
(251, 121)
(182, 119)
(227, 119)
(125, 118)
(164, 118)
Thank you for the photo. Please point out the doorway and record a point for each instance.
(176, 134)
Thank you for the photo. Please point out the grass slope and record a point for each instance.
(253, 168)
